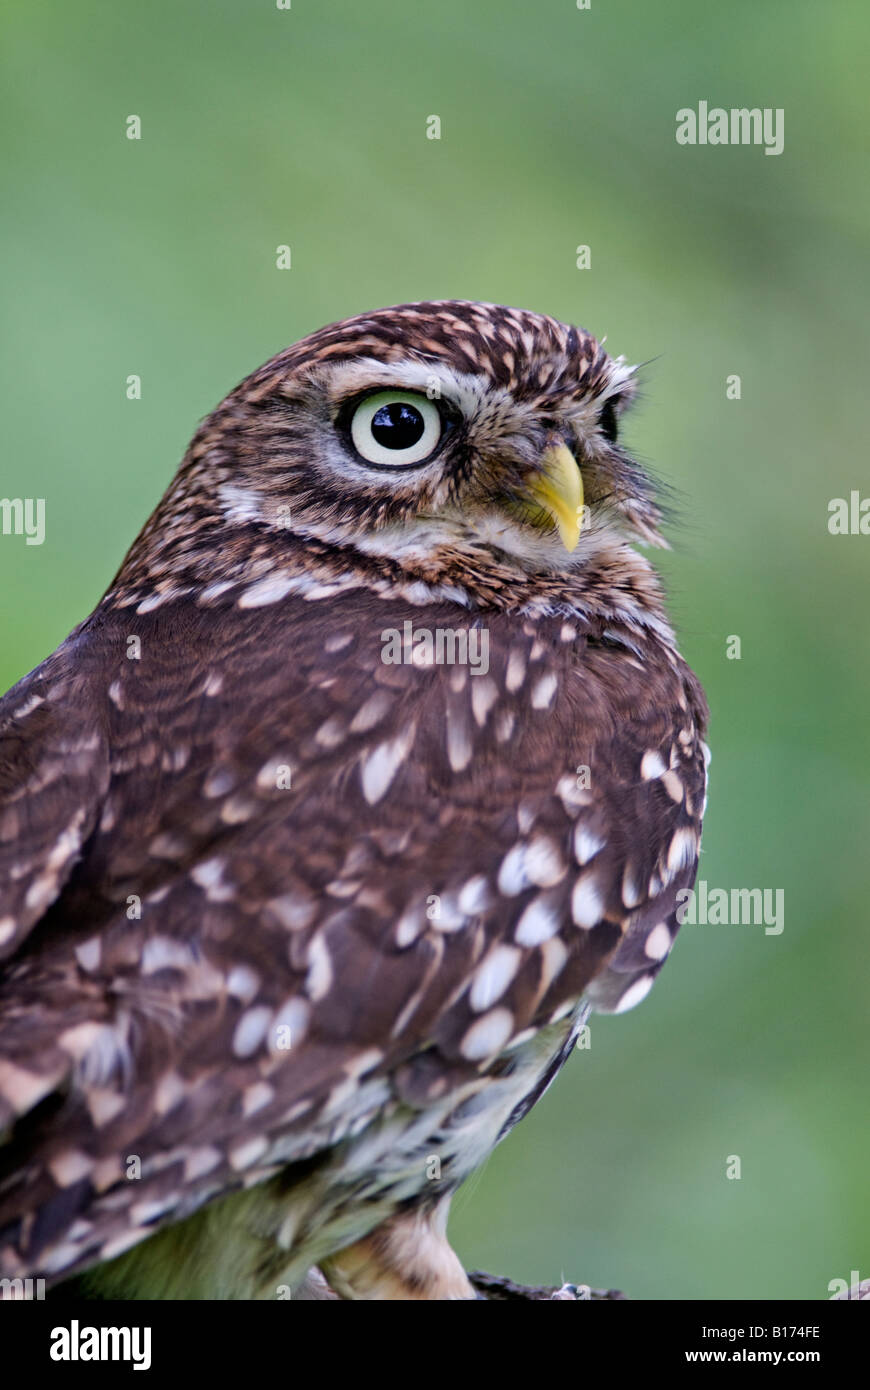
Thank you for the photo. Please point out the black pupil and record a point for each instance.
(398, 425)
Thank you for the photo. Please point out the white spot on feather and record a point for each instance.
(673, 786)
(22, 1089)
(410, 925)
(69, 1167)
(104, 1104)
(634, 994)
(371, 713)
(683, 848)
(449, 918)
(238, 809)
(587, 904)
(169, 1092)
(293, 1016)
(572, 796)
(240, 503)
(244, 1155)
(554, 954)
(89, 953)
(269, 590)
(505, 727)
(516, 669)
(201, 1161)
(293, 910)
(215, 590)
(652, 766)
(538, 923)
(251, 1030)
(493, 975)
(256, 1097)
(544, 864)
(484, 694)
(100, 1050)
(586, 843)
(512, 878)
(632, 894)
(544, 691)
(31, 703)
(243, 983)
(488, 1035)
(459, 750)
(164, 953)
(380, 766)
(475, 896)
(219, 782)
(57, 1257)
(658, 943)
(153, 601)
(331, 732)
(209, 875)
(318, 981)
(41, 892)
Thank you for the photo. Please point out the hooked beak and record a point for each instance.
(558, 490)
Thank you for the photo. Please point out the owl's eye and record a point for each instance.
(395, 428)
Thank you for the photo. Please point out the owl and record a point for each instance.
(375, 770)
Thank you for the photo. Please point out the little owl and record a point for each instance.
(376, 769)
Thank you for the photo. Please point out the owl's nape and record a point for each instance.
(306, 920)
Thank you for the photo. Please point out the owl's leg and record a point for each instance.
(408, 1257)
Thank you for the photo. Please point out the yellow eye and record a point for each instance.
(395, 428)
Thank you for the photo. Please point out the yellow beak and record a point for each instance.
(558, 490)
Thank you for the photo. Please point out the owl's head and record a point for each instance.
(435, 435)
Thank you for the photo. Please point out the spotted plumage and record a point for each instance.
(293, 933)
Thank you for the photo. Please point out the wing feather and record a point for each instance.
(305, 880)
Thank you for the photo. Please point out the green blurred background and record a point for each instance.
(307, 127)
